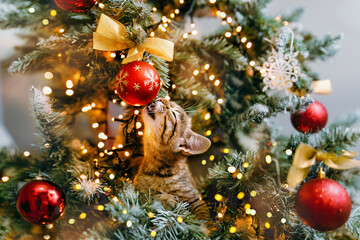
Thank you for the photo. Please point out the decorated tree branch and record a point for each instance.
(152, 131)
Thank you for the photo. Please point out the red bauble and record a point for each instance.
(75, 5)
(137, 83)
(40, 202)
(323, 204)
(312, 120)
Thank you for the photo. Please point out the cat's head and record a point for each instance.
(168, 128)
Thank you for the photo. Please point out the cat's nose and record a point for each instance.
(151, 110)
(151, 107)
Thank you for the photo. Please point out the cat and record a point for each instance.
(168, 141)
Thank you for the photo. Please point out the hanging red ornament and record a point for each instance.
(323, 204)
(40, 202)
(137, 83)
(311, 120)
(75, 5)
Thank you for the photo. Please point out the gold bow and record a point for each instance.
(111, 35)
(305, 156)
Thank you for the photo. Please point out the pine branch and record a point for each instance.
(98, 232)
(127, 210)
(62, 161)
(294, 16)
(263, 106)
(23, 64)
(347, 121)
(321, 48)
(336, 139)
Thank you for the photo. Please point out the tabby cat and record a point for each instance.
(168, 142)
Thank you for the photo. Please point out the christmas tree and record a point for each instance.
(117, 65)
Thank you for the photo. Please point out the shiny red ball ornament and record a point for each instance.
(311, 120)
(75, 5)
(323, 204)
(40, 202)
(137, 83)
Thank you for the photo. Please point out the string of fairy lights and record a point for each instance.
(98, 173)
(241, 195)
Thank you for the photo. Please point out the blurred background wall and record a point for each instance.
(322, 16)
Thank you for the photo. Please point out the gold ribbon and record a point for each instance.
(322, 87)
(305, 156)
(111, 35)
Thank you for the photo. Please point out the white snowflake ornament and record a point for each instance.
(87, 188)
(280, 70)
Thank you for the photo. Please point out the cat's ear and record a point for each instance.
(194, 143)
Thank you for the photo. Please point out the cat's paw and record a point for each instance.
(168, 201)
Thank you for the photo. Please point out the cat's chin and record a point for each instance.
(148, 120)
